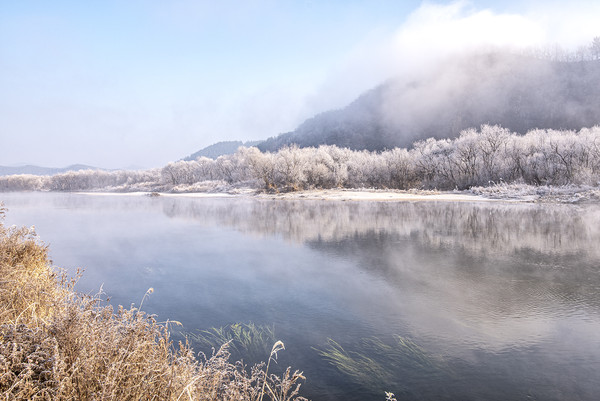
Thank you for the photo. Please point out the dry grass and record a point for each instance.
(58, 345)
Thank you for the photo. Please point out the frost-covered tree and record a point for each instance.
(261, 166)
(595, 48)
(291, 164)
(399, 168)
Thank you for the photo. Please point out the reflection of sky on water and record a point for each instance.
(494, 288)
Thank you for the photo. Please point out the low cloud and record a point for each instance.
(433, 32)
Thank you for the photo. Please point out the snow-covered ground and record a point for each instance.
(377, 195)
(530, 193)
(503, 193)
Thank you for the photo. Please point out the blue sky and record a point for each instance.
(143, 82)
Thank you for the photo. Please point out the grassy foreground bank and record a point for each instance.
(56, 344)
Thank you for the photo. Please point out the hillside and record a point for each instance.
(220, 149)
(517, 92)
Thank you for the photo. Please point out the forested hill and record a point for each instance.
(220, 149)
(520, 93)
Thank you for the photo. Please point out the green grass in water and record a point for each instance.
(247, 341)
(376, 365)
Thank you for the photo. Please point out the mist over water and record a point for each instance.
(502, 299)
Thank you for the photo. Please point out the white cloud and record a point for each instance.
(434, 31)
(444, 29)
(568, 24)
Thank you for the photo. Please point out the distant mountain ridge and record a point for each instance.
(520, 93)
(220, 149)
(37, 170)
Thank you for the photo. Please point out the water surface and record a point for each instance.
(430, 300)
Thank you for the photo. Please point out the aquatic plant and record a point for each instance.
(376, 365)
(246, 341)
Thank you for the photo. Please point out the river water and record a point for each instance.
(429, 300)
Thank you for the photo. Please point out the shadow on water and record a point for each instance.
(428, 300)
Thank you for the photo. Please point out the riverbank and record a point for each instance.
(496, 193)
(56, 344)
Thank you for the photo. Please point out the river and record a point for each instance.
(429, 300)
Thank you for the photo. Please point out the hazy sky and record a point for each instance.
(144, 82)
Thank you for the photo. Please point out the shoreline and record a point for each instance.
(514, 194)
(507, 193)
(358, 195)
(355, 195)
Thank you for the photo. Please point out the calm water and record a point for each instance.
(491, 301)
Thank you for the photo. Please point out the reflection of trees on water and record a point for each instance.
(478, 228)
(494, 259)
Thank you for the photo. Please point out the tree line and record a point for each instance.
(477, 157)
(555, 52)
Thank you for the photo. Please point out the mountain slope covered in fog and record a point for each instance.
(520, 93)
